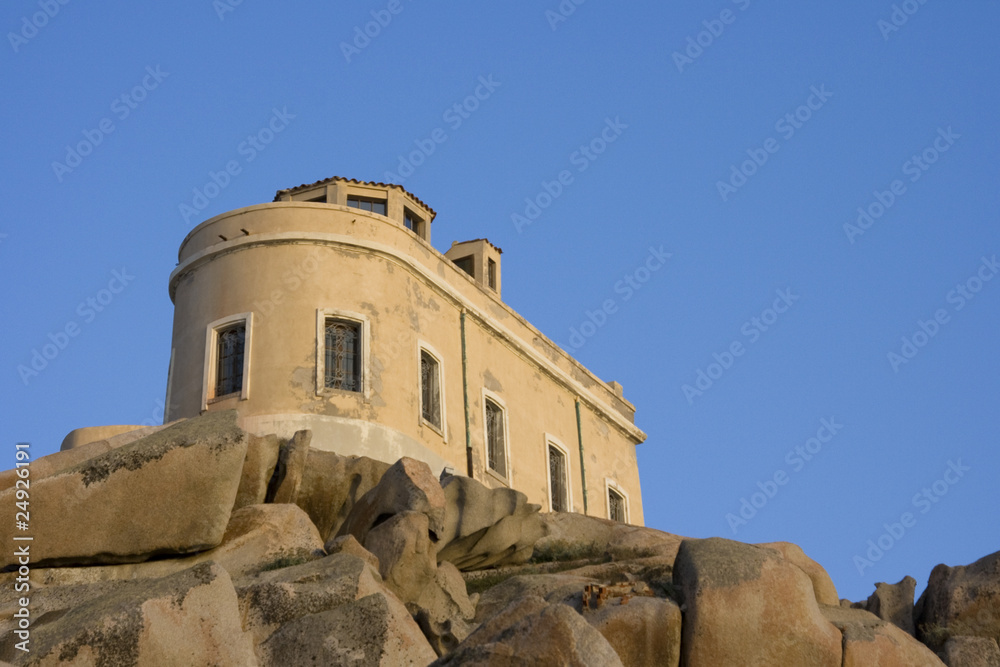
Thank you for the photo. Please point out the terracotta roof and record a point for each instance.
(356, 182)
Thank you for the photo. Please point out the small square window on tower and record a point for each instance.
(413, 223)
(367, 204)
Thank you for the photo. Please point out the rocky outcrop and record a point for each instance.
(746, 605)
(407, 486)
(960, 601)
(169, 493)
(531, 631)
(643, 631)
(258, 469)
(869, 641)
(290, 468)
(486, 527)
(971, 652)
(894, 603)
(331, 485)
(189, 618)
(823, 588)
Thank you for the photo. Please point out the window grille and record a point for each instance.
(557, 479)
(616, 506)
(496, 454)
(430, 389)
(229, 369)
(342, 368)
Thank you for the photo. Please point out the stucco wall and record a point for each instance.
(283, 261)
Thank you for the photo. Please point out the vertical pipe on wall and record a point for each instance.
(583, 468)
(465, 395)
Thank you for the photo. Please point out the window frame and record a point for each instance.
(417, 221)
(491, 273)
(322, 315)
(209, 370)
(472, 262)
(371, 200)
(612, 486)
(425, 348)
(508, 476)
(552, 441)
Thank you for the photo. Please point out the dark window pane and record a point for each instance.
(343, 355)
(492, 274)
(378, 207)
(496, 454)
(430, 389)
(467, 264)
(616, 506)
(557, 479)
(229, 370)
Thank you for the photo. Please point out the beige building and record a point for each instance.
(329, 309)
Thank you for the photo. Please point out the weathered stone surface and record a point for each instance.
(894, 603)
(746, 605)
(486, 527)
(405, 554)
(375, 630)
(626, 540)
(273, 598)
(643, 631)
(257, 537)
(407, 485)
(332, 484)
(444, 611)
(189, 618)
(258, 467)
(346, 544)
(868, 640)
(169, 493)
(826, 592)
(960, 601)
(532, 632)
(290, 469)
(971, 652)
(562, 588)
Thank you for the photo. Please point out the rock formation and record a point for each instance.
(199, 544)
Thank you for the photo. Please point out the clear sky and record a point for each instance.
(765, 355)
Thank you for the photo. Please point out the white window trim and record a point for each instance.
(509, 479)
(424, 346)
(551, 440)
(321, 316)
(612, 485)
(212, 356)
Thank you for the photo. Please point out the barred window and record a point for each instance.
(557, 480)
(343, 361)
(495, 451)
(616, 506)
(230, 343)
(367, 204)
(430, 388)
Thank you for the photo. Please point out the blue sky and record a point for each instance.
(739, 137)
